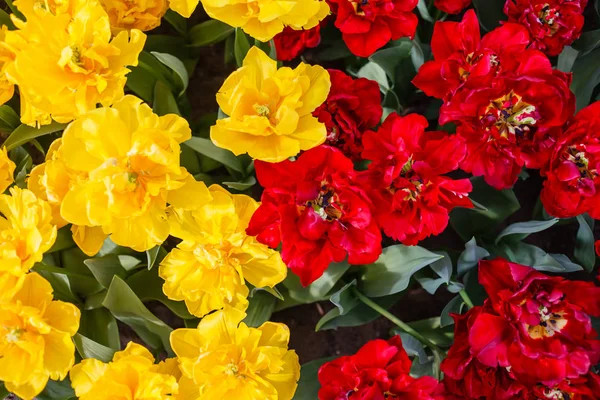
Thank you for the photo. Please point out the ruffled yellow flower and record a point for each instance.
(270, 109)
(225, 359)
(116, 168)
(67, 64)
(135, 14)
(7, 170)
(26, 233)
(131, 375)
(209, 268)
(31, 8)
(7, 88)
(263, 19)
(35, 338)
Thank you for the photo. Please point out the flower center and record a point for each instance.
(232, 369)
(358, 6)
(262, 110)
(556, 394)
(550, 323)
(578, 156)
(511, 116)
(13, 334)
(326, 205)
(547, 16)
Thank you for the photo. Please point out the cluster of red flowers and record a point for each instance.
(321, 210)
(532, 339)
(379, 370)
(507, 100)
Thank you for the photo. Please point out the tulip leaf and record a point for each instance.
(389, 59)
(176, 65)
(394, 268)
(308, 385)
(566, 59)
(209, 32)
(100, 326)
(177, 21)
(587, 42)
(157, 253)
(64, 240)
(5, 20)
(431, 329)
(87, 348)
(26, 133)
(375, 72)
(147, 285)
(490, 13)
(207, 148)
(319, 289)
(105, 268)
(60, 281)
(243, 185)
(241, 46)
(129, 309)
(164, 102)
(527, 254)
(57, 390)
(586, 76)
(260, 308)
(498, 205)
(470, 257)
(422, 8)
(9, 119)
(455, 306)
(584, 244)
(520, 230)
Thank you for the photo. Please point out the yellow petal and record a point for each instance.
(192, 195)
(36, 292)
(85, 374)
(29, 389)
(59, 354)
(184, 7)
(63, 317)
(88, 239)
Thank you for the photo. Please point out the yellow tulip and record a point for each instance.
(270, 109)
(7, 169)
(31, 8)
(135, 14)
(209, 269)
(35, 338)
(26, 233)
(225, 359)
(66, 64)
(263, 19)
(7, 88)
(113, 173)
(131, 375)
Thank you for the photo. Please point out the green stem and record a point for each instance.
(466, 298)
(402, 325)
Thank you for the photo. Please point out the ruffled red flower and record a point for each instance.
(553, 24)
(368, 25)
(462, 56)
(533, 332)
(582, 388)
(379, 370)
(352, 107)
(452, 6)
(514, 121)
(318, 213)
(573, 184)
(290, 43)
(405, 180)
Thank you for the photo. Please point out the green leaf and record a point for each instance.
(59, 281)
(566, 59)
(586, 76)
(176, 65)
(176, 21)
(260, 309)
(105, 268)
(129, 309)
(26, 133)
(5, 20)
(498, 204)
(147, 285)
(153, 254)
(164, 101)
(413, 347)
(15, 10)
(521, 230)
(142, 83)
(242, 185)
(584, 244)
(470, 257)
(587, 42)
(9, 119)
(64, 240)
(319, 289)
(308, 385)
(81, 278)
(375, 72)
(208, 149)
(100, 326)
(394, 268)
(241, 46)
(57, 390)
(527, 254)
(422, 8)
(87, 348)
(209, 32)
(389, 58)
(490, 13)
(455, 306)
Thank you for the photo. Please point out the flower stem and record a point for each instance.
(402, 325)
(466, 298)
